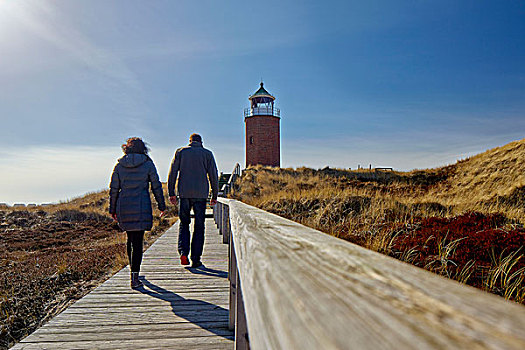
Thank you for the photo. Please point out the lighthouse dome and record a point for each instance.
(261, 95)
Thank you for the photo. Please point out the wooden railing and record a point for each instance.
(293, 287)
(227, 187)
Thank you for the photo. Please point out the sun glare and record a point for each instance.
(10, 11)
(7, 7)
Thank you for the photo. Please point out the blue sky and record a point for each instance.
(408, 84)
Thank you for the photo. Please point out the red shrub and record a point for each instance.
(480, 238)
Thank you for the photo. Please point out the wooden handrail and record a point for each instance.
(293, 287)
(227, 187)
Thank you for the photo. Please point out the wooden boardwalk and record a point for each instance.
(179, 308)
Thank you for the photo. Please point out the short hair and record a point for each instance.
(135, 145)
(195, 137)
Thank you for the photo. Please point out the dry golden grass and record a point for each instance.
(97, 203)
(339, 201)
(493, 181)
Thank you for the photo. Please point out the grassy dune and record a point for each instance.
(464, 221)
(490, 182)
(51, 256)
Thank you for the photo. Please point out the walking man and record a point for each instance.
(194, 166)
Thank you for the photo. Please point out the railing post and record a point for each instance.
(226, 233)
(225, 220)
(221, 214)
(218, 215)
(237, 317)
(241, 330)
(224, 217)
(232, 276)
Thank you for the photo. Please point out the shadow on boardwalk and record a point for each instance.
(203, 270)
(210, 317)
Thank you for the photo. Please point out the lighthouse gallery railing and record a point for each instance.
(250, 112)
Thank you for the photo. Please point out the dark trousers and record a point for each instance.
(134, 247)
(197, 240)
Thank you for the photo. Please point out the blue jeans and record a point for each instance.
(197, 240)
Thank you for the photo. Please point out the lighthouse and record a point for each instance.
(262, 121)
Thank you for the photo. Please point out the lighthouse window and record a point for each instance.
(251, 140)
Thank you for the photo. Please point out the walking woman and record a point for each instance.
(129, 199)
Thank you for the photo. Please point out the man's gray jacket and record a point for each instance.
(193, 165)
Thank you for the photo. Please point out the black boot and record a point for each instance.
(135, 282)
(196, 263)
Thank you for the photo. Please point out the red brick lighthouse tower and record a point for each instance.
(262, 130)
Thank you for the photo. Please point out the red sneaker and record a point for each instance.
(184, 260)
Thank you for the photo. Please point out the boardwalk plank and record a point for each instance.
(131, 297)
(175, 288)
(137, 327)
(217, 300)
(143, 334)
(208, 343)
(152, 319)
(113, 309)
(179, 307)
